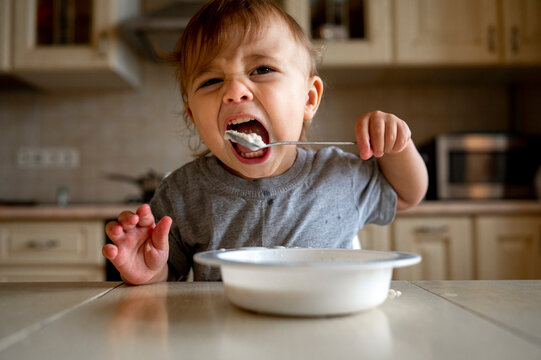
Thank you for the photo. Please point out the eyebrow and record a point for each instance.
(209, 68)
(256, 57)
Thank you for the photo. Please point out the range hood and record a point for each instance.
(160, 27)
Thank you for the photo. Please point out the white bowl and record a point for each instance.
(306, 282)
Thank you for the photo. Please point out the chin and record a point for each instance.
(254, 168)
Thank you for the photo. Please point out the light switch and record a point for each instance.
(48, 158)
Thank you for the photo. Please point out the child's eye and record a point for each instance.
(210, 82)
(262, 70)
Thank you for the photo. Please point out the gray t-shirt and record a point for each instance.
(321, 202)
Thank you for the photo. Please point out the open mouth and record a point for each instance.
(249, 126)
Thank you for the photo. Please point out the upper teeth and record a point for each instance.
(240, 120)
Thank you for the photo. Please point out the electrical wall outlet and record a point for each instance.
(47, 158)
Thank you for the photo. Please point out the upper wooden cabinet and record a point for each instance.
(73, 44)
(446, 31)
(362, 36)
(456, 32)
(522, 31)
(5, 36)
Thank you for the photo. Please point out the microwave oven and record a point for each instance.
(482, 166)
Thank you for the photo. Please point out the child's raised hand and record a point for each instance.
(140, 248)
(380, 133)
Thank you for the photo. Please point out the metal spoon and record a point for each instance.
(235, 137)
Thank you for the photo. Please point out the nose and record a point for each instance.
(236, 92)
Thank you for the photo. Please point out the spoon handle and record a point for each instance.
(311, 143)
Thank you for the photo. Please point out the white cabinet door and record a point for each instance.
(374, 48)
(5, 35)
(51, 242)
(522, 31)
(103, 61)
(52, 251)
(446, 32)
(445, 244)
(508, 247)
(375, 237)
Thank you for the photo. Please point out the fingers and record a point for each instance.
(389, 137)
(128, 220)
(114, 230)
(110, 251)
(139, 246)
(363, 137)
(379, 133)
(145, 216)
(157, 248)
(160, 235)
(405, 136)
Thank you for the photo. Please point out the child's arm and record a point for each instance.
(380, 134)
(140, 248)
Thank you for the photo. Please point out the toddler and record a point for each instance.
(246, 65)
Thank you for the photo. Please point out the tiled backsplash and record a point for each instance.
(131, 132)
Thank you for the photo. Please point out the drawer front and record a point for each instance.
(51, 242)
(445, 244)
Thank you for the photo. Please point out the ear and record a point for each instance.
(188, 111)
(315, 91)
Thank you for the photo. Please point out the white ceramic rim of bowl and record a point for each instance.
(389, 259)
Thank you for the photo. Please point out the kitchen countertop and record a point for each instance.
(502, 207)
(71, 212)
(431, 320)
(110, 211)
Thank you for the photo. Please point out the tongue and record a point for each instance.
(251, 127)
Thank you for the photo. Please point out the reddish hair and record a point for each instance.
(217, 24)
(221, 23)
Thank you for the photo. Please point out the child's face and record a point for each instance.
(266, 80)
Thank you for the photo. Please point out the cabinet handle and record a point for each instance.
(514, 39)
(103, 44)
(491, 36)
(431, 229)
(38, 244)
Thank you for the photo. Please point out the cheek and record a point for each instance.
(201, 115)
(290, 100)
(206, 129)
(203, 127)
(290, 112)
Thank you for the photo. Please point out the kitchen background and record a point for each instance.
(140, 129)
(133, 131)
(111, 110)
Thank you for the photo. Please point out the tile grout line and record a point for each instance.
(27, 331)
(516, 332)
